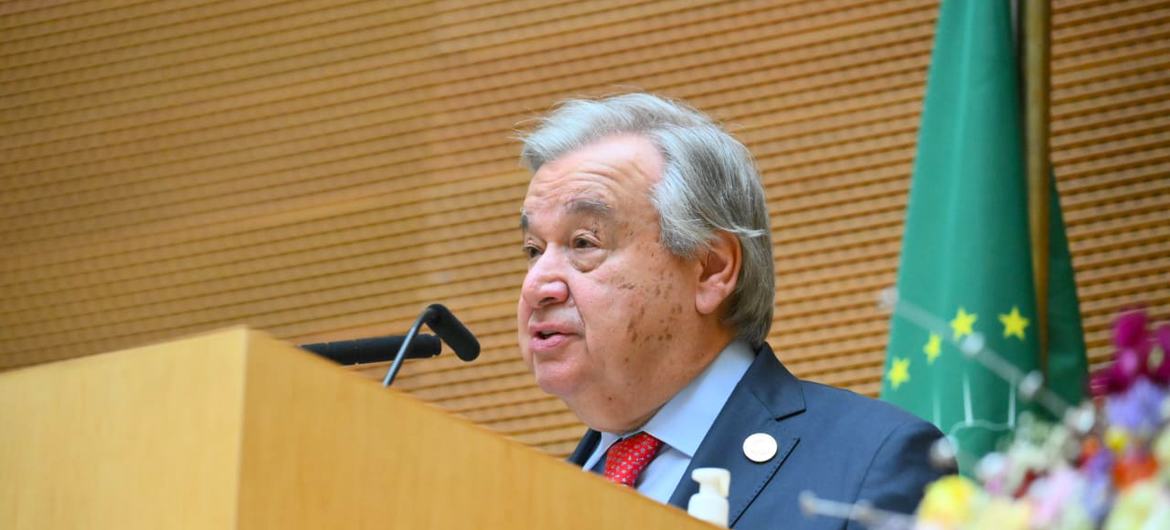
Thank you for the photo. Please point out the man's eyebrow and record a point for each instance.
(596, 207)
(587, 206)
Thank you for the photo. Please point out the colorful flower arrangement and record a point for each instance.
(1107, 465)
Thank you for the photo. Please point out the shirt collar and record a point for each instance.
(683, 422)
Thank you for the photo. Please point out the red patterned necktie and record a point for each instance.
(626, 459)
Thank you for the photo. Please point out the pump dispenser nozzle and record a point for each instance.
(710, 503)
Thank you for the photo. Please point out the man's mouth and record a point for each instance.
(547, 338)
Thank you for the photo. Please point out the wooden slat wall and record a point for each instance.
(322, 170)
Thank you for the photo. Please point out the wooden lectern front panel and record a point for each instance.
(327, 448)
(145, 438)
(236, 430)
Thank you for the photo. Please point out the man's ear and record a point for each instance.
(719, 266)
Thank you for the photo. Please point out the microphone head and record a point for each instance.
(453, 332)
(375, 349)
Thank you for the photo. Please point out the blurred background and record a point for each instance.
(322, 170)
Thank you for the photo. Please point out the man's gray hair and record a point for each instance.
(709, 184)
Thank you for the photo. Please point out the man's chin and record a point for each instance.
(559, 385)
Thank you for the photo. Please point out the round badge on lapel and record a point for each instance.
(759, 447)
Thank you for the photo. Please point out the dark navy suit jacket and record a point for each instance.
(834, 443)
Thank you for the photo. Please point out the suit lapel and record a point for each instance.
(767, 394)
(585, 447)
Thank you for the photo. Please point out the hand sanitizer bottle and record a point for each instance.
(710, 503)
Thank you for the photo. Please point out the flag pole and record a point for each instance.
(1037, 24)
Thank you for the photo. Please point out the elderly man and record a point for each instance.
(646, 307)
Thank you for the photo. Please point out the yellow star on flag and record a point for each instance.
(1013, 324)
(962, 323)
(899, 372)
(933, 348)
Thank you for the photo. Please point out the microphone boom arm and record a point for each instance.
(401, 355)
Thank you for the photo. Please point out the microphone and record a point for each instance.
(411, 346)
(447, 327)
(376, 349)
(452, 331)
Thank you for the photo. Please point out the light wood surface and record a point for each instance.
(236, 429)
(325, 448)
(146, 438)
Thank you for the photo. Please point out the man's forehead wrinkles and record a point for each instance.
(573, 207)
(615, 170)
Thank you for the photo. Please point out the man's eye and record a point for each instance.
(583, 243)
(530, 251)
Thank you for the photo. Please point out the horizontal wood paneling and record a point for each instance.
(323, 170)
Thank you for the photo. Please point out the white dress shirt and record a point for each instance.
(683, 422)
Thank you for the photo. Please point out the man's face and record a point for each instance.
(605, 310)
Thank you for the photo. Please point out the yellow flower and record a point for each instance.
(1002, 514)
(1116, 439)
(1135, 507)
(950, 502)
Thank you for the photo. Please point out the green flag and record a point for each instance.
(966, 256)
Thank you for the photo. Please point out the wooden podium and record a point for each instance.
(238, 430)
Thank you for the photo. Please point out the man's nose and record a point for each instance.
(545, 283)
